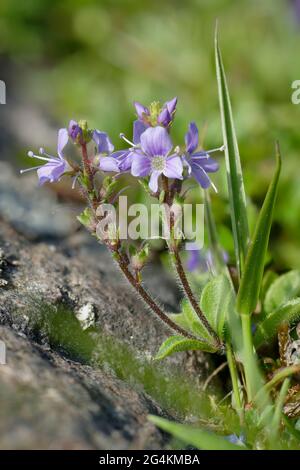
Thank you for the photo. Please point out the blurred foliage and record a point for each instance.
(92, 58)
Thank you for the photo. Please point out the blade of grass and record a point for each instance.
(278, 411)
(235, 182)
(195, 437)
(248, 293)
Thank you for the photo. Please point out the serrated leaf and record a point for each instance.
(237, 197)
(216, 300)
(249, 290)
(179, 343)
(283, 289)
(268, 328)
(196, 437)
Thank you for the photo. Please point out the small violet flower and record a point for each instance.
(199, 163)
(54, 167)
(124, 157)
(107, 162)
(235, 439)
(153, 157)
(155, 114)
(74, 131)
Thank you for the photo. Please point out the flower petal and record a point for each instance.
(108, 164)
(103, 142)
(192, 138)
(141, 110)
(153, 182)
(138, 128)
(201, 176)
(141, 165)
(207, 163)
(51, 171)
(171, 105)
(164, 118)
(62, 141)
(156, 141)
(74, 129)
(173, 167)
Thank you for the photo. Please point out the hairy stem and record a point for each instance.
(123, 264)
(188, 291)
(92, 198)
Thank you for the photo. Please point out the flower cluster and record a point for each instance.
(150, 154)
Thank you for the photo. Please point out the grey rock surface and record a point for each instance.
(48, 400)
(36, 214)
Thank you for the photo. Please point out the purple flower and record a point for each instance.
(155, 114)
(198, 163)
(154, 159)
(124, 157)
(203, 260)
(235, 439)
(74, 131)
(104, 150)
(55, 166)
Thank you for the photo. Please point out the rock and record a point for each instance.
(34, 213)
(86, 315)
(48, 402)
(79, 276)
(74, 271)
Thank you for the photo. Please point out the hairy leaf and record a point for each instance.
(268, 328)
(283, 289)
(179, 343)
(216, 300)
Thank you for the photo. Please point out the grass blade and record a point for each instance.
(195, 437)
(235, 182)
(248, 293)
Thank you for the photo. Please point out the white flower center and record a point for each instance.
(158, 163)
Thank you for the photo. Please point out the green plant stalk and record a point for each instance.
(248, 355)
(278, 411)
(234, 380)
(279, 377)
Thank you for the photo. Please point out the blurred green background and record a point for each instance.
(64, 59)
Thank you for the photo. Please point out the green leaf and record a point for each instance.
(180, 320)
(216, 300)
(283, 289)
(268, 328)
(268, 279)
(248, 293)
(277, 416)
(86, 217)
(179, 343)
(195, 324)
(235, 182)
(196, 437)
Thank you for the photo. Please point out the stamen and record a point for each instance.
(30, 169)
(219, 149)
(214, 187)
(74, 181)
(122, 136)
(46, 159)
